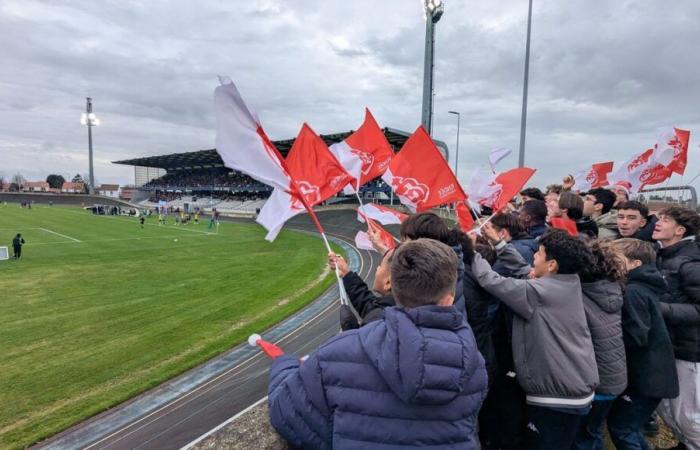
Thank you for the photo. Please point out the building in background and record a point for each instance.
(36, 186)
(108, 190)
(72, 188)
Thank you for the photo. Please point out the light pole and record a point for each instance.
(88, 118)
(457, 148)
(433, 11)
(523, 116)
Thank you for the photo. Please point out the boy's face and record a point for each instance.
(629, 222)
(667, 229)
(620, 195)
(540, 266)
(552, 201)
(382, 276)
(589, 205)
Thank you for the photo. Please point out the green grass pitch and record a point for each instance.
(99, 310)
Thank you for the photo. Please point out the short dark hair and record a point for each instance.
(533, 192)
(605, 197)
(635, 206)
(572, 203)
(508, 222)
(606, 264)
(555, 188)
(635, 249)
(537, 210)
(425, 225)
(569, 252)
(684, 217)
(422, 272)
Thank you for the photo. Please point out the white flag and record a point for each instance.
(279, 208)
(241, 141)
(496, 155)
(363, 242)
(383, 215)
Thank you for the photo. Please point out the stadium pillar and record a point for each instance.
(433, 10)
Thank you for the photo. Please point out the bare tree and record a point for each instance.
(18, 179)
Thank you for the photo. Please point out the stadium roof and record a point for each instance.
(205, 159)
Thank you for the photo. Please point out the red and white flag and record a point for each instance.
(363, 242)
(567, 225)
(241, 141)
(646, 168)
(677, 140)
(382, 214)
(317, 176)
(420, 176)
(464, 216)
(505, 186)
(365, 154)
(592, 177)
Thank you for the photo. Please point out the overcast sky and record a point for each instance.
(604, 75)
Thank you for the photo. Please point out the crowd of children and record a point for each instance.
(583, 310)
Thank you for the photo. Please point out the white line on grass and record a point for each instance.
(59, 234)
(112, 240)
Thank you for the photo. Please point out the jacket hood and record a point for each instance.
(686, 247)
(422, 353)
(648, 274)
(607, 220)
(606, 294)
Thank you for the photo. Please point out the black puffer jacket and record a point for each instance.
(478, 302)
(650, 365)
(602, 301)
(680, 266)
(368, 305)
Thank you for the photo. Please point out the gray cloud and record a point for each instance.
(604, 76)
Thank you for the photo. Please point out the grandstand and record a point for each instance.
(200, 180)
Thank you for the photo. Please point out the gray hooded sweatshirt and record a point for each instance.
(552, 347)
(602, 301)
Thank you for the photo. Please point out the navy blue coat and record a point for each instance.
(412, 380)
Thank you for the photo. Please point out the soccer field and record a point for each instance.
(99, 310)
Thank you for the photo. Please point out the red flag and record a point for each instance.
(464, 216)
(507, 185)
(567, 225)
(317, 175)
(268, 348)
(317, 172)
(365, 154)
(420, 176)
(678, 140)
(593, 177)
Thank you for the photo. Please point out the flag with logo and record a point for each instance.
(363, 242)
(594, 176)
(365, 154)
(420, 176)
(317, 176)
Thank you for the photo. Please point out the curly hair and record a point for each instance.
(569, 252)
(606, 264)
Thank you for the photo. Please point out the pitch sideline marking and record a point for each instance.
(59, 234)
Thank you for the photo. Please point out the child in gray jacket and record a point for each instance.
(552, 348)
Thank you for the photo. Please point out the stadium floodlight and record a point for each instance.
(90, 119)
(432, 10)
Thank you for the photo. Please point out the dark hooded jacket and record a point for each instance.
(368, 305)
(651, 367)
(680, 266)
(602, 302)
(413, 380)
